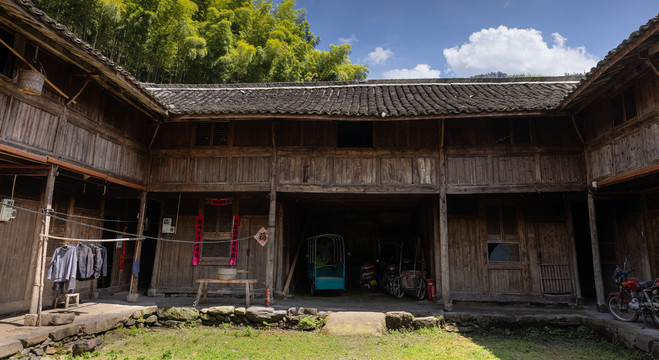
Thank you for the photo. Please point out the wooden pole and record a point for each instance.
(443, 234)
(42, 243)
(595, 248)
(272, 216)
(575, 265)
(132, 295)
(437, 250)
(292, 270)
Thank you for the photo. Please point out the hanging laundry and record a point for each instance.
(85, 262)
(63, 267)
(100, 261)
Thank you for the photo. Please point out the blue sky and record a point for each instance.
(461, 38)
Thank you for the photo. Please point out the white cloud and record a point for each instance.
(379, 55)
(421, 71)
(348, 40)
(516, 51)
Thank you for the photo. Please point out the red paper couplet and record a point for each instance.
(199, 231)
(234, 243)
(218, 202)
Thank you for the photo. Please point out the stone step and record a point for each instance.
(355, 323)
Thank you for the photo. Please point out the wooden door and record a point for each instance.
(253, 256)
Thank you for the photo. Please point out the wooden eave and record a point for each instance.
(34, 29)
(605, 74)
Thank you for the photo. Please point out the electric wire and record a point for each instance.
(131, 236)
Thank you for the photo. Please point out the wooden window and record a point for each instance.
(358, 134)
(623, 106)
(218, 220)
(511, 131)
(215, 134)
(502, 234)
(114, 112)
(6, 57)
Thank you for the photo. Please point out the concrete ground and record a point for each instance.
(91, 312)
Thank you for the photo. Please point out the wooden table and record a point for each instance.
(203, 288)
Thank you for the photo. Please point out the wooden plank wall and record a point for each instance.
(633, 145)
(542, 240)
(17, 241)
(75, 133)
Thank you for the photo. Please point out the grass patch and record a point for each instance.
(204, 342)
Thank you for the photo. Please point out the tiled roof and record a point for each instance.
(393, 98)
(617, 60)
(61, 31)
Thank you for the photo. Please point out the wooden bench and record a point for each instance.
(203, 288)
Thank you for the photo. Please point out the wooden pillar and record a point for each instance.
(153, 287)
(436, 251)
(443, 236)
(595, 248)
(272, 216)
(132, 294)
(42, 244)
(575, 265)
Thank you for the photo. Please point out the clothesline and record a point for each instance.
(131, 237)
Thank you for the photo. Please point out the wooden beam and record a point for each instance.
(595, 248)
(68, 166)
(629, 176)
(42, 244)
(132, 294)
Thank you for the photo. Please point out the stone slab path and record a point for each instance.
(355, 323)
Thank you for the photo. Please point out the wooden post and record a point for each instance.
(443, 235)
(595, 248)
(153, 288)
(437, 250)
(42, 244)
(132, 295)
(575, 265)
(272, 216)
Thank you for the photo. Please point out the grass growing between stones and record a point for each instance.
(247, 343)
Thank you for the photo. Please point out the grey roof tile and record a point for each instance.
(395, 98)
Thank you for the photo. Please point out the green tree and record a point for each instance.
(206, 41)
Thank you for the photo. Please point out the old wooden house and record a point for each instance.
(524, 189)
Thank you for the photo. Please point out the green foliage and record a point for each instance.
(206, 41)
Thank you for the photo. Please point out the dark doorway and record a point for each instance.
(580, 224)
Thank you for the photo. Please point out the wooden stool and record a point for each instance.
(66, 300)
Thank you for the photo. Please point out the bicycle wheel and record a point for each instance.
(397, 288)
(619, 308)
(655, 309)
(419, 287)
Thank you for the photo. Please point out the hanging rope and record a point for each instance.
(131, 237)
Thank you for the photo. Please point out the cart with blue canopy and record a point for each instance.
(326, 262)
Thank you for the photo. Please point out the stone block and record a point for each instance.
(220, 310)
(424, 322)
(152, 293)
(132, 298)
(397, 320)
(9, 347)
(62, 332)
(102, 324)
(33, 339)
(260, 314)
(240, 311)
(57, 319)
(84, 346)
(151, 319)
(178, 314)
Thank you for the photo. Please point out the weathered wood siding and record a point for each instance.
(544, 243)
(404, 158)
(80, 133)
(630, 146)
(18, 239)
